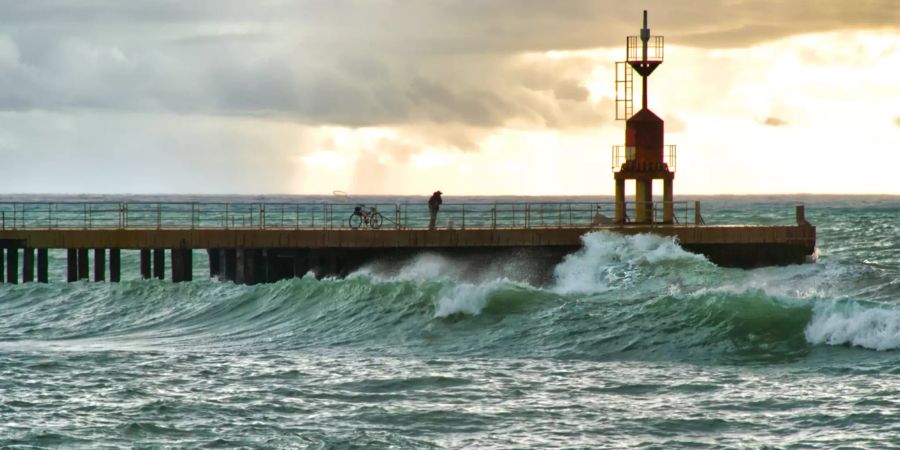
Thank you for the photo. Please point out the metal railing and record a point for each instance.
(625, 153)
(635, 49)
(195, 215)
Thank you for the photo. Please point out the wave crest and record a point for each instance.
(610, 260)
(876, 328)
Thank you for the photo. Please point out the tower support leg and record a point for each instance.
(620, 201)
(643, 201)
(668, 206)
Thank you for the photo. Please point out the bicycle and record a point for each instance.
(363, 216)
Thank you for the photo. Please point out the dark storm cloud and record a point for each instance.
(355, 62)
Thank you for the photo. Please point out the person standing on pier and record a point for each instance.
(434, 204)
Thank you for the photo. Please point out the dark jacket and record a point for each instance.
(434, 203)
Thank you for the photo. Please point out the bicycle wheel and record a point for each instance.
(375, 220)
(355, 221)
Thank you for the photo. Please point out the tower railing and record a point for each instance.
(624, 153)
(655, 49)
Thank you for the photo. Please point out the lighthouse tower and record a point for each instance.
(644, 157)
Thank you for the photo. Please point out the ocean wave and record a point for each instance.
(618, 297)
(875, 327)
(610, 261)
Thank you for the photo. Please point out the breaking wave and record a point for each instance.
(619, 297)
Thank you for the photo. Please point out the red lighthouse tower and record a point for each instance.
(644, 157)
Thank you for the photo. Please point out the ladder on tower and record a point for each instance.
(624, 90)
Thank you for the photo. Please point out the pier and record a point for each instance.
(264, 242)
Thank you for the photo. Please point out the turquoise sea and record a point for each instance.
(635, 343)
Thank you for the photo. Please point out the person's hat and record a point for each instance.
(438, 192)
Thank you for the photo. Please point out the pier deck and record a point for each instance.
(267, 249)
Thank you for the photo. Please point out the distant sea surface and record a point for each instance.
(635, 343)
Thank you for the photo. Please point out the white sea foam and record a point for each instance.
(424, 267)
(604, 256)
(799, 281)
(428, 267)
(833, 323)
(464, 298)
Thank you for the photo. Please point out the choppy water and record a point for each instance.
(635, 343)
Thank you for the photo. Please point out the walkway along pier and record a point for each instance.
(252, 243)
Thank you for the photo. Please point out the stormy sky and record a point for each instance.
(493, 97)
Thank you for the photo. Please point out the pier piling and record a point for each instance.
(83, 261)
(182, 265)
(145, 264)
(99, 264)
(215, 262)
(229, 258)
(159, 263)
(2, 265)
(28, 265)
(71, 265)
(300, 263)
(270, 261)
(668, 197)
(115, 265)
(12, 265)
(42, 265)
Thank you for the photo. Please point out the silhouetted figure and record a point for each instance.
(434, 204)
